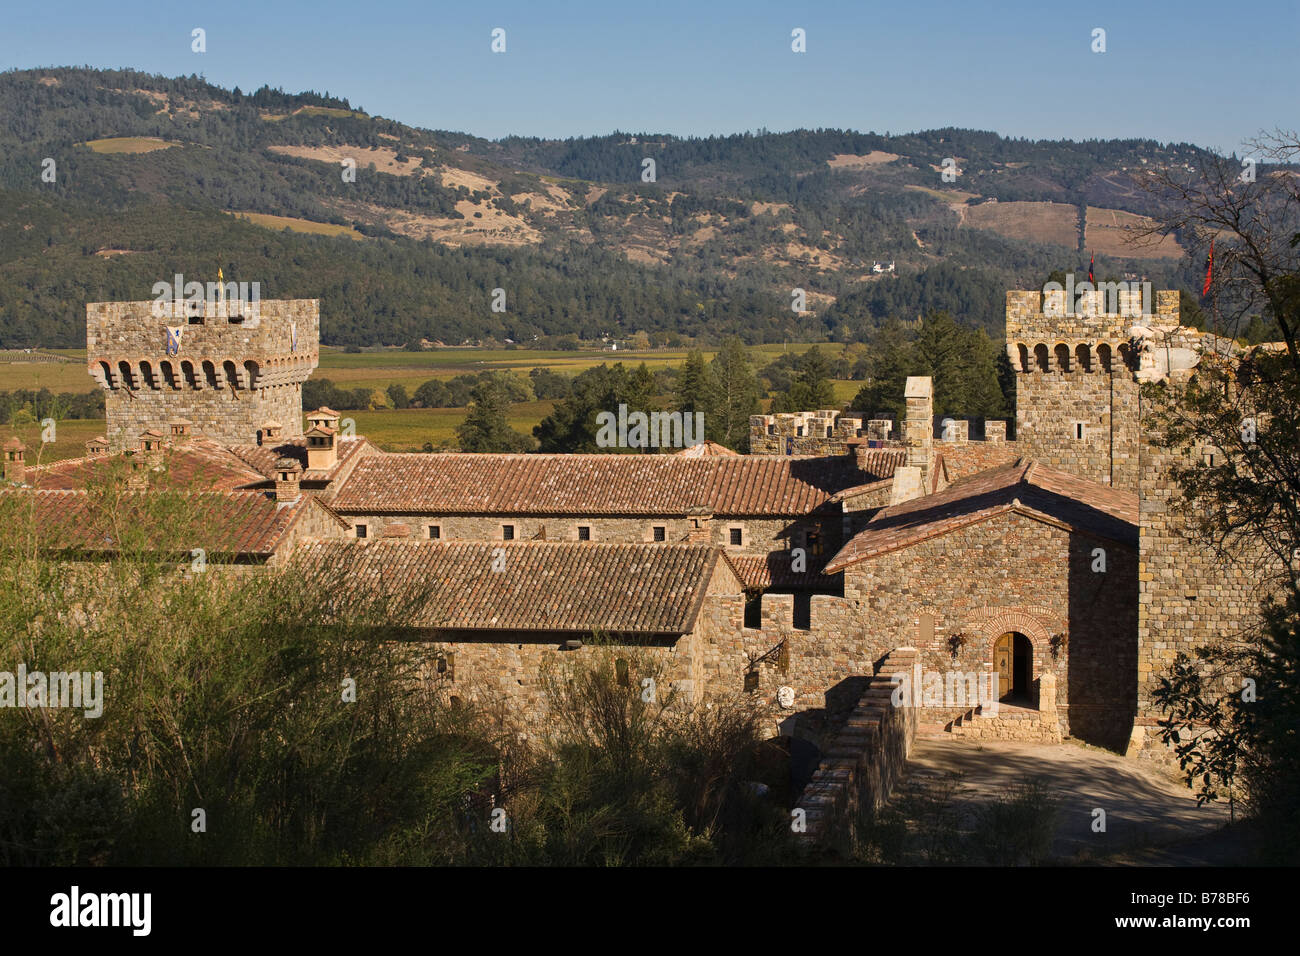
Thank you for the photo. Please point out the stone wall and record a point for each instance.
(962, 460)
(1011, 573)
(863, 760)
(758, 535)
(1188, 595)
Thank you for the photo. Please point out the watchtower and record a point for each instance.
(225, 368)
(1076, 390)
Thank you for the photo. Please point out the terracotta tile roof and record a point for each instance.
(593, 484)
(769, 571)
(879, 464)
(223, 523)
(544, 586)
(197, 462)
(1026, 487)
(262, 458)
(857, 490)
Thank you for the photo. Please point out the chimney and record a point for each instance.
(995, 430)
(288, 473)
(918, 429)
(15, 463)
(701, 531)
(181, 428)
(271, 430)
(137, 478)
(97, 446)
(151, 443)
(324, 418)
(322, 454)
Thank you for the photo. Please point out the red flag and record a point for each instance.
(1209, 270)
(1090, 262)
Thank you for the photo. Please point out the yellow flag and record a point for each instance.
(220, 277)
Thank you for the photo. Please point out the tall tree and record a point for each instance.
(485, 428)
(890, 359)
(692, 391)
(734, 396)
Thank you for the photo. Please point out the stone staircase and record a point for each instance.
(863, 761)
(1010, 722)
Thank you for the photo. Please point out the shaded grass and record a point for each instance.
(71, 436)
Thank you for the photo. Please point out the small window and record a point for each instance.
(361, 531)
(660, 532)
(754, 611)
(584, 532)
(435, 532)
(736, 537)
(507, 532)
(1078, 430)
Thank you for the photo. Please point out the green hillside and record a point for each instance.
(147, 171)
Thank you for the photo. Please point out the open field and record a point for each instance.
(70, 439)
(391, 429)
(407, 429)
(56, 376)
(1115, 233)
(298, 225)
(377, 370)
(381, 368)
(128, 144)
(1051, 222)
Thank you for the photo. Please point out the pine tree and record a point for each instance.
(691, 394)
(815, 378)
(734, 396)
(485, 428)
(890, 359)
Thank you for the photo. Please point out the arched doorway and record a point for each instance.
(1013, 660)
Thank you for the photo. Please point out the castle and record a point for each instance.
(835, 553)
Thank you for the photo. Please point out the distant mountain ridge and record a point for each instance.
(148, 171)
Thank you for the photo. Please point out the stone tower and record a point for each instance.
(226, 369)
(1076, 390)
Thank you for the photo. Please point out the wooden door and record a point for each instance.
(1003, 663)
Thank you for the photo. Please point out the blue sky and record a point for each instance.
(1211, 74)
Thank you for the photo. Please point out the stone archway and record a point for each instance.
(991, 625)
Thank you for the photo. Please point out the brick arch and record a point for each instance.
(994, 622)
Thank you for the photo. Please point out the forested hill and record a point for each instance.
(154, 176)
